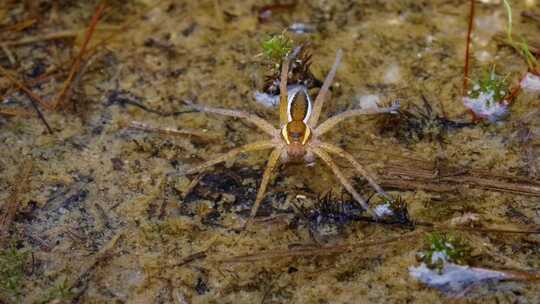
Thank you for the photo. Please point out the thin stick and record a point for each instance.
(19, 26)
(192, 185)
(311, 251)
(467, 49)
(190, 258)
(15, 112)
(8, 53)
(33, 98)
(452, 179)
(44, 37)
(531, 15)
(77, 63)
(23, 88)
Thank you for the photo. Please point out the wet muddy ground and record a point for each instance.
(103, 213)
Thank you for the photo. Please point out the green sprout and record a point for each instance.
(522, 47)
(509, 14)
(61, 291)
(443, 248)
(532, 63)
(277, 47)
(492, 85)
(12, 265)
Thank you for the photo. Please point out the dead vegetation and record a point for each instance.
(100, 211)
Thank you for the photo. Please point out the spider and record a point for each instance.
(298, 137)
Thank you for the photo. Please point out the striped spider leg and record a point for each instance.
(297, 138)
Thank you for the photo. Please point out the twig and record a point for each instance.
(77, 63)
(85, 66)
(192, 185)
(190, 258)
(476, 229)
(19, 26)
(10, 206)
(15, 112)
(43, 37)
(531, 15)
(8, 53)
(99, 258)
(452, 179)
(467, 48)
(33, 97)
(311, 251)
(445, 227)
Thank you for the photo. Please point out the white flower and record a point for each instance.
(383, 210)
(455, 278)
(530, 83)
(485, 106)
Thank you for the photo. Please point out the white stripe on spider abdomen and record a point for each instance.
(293, 92)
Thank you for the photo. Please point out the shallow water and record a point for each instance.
(106, 215)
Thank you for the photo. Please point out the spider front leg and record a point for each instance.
(341, 177)
(342, 153)
(331, 122)
(256, 120)
(273, 161)
(258, 145)
(319, 100)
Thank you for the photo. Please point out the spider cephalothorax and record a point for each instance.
(297, 137)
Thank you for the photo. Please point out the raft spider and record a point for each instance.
(298, 136)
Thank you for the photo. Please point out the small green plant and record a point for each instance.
(61, 291)
(509, 14)
(532, 62)
(443, 248)
(490, 85)
(522, 47)
(12, 264)
(276, 47)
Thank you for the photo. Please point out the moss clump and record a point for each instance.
(443, 248)
(277, 47)
(12, 264)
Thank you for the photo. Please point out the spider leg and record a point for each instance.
(334, 120)
(272, 163)
(283, 94)
(342, 153)
(283, 81)
(341, 177)
(256, 120)
(319, 100)
(258, 145)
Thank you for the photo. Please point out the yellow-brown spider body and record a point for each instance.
(298, 136)
(296, 132)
